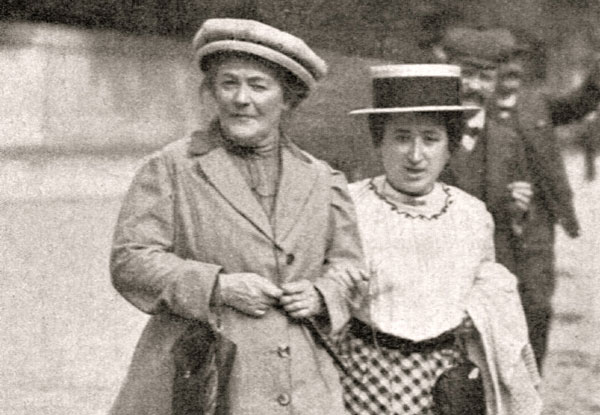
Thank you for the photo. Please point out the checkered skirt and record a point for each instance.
(383, 381)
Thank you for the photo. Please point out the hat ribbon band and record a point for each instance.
(416, 92)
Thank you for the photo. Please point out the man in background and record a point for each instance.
(511, 160)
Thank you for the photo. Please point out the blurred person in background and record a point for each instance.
(526, 70)
(523, 74)
(435, 296)
(509, 157)
(510, 79)
(520, 73)
(236, 230)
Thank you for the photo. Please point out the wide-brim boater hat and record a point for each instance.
(218, 36)
(416, 88)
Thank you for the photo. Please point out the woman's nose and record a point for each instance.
(241, 96)
(415, 153)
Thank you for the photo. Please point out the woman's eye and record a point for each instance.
(432, 137)
(403, 138)
(259, 87)
(228, 83)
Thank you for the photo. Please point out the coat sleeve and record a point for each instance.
(489, 281)
(344, 253)
(144, 268)
(576, 105)
(545, 161)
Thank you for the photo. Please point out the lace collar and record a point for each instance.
(428, 207)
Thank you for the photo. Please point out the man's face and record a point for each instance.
(510, 77)
(478, 84)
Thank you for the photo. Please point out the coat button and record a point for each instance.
(283, 351)
(284, 399)
(289, 259)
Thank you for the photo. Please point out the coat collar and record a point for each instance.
(295, 184)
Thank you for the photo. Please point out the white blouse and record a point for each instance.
(423, 257)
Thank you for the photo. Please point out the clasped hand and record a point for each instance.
(466, 327)
(521, 194)
(253, 294)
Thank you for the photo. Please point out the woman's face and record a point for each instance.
(414, 151)
(249, 100)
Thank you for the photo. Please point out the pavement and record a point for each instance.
(40, 177)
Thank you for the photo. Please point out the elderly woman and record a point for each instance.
(236, 224)
(435, 290)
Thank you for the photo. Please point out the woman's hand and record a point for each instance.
(248, 292)
(355, 279)
(466, 327)
(301, 299)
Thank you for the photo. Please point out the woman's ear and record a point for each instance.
(287, 106)
(448, 158)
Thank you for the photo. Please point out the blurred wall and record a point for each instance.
(77, 88)
(93, 89)
(72, 90)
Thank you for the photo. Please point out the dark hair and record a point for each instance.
(454, 122)
(294, 90)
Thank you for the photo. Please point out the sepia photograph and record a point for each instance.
(318, 207)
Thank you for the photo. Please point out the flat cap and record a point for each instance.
(267, 42)
(481, 47)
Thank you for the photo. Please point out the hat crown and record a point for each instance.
(415, 88)
(415, 85)
(260, 39)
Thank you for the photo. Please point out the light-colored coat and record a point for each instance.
(190, 215)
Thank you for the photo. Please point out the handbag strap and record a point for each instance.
(324, 342)
(216, 306)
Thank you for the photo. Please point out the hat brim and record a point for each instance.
(467, 110)
(477, 62)
(260, 51)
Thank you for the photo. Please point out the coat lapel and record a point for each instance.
(221, 172)
(295, 186)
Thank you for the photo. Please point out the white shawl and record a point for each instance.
(502, 349)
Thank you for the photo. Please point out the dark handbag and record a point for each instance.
(203, 362)
(459, 390)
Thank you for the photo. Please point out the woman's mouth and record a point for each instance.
(243, 118)
(414, 172)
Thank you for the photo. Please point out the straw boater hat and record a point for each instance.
(416, 88)
(218, 36)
